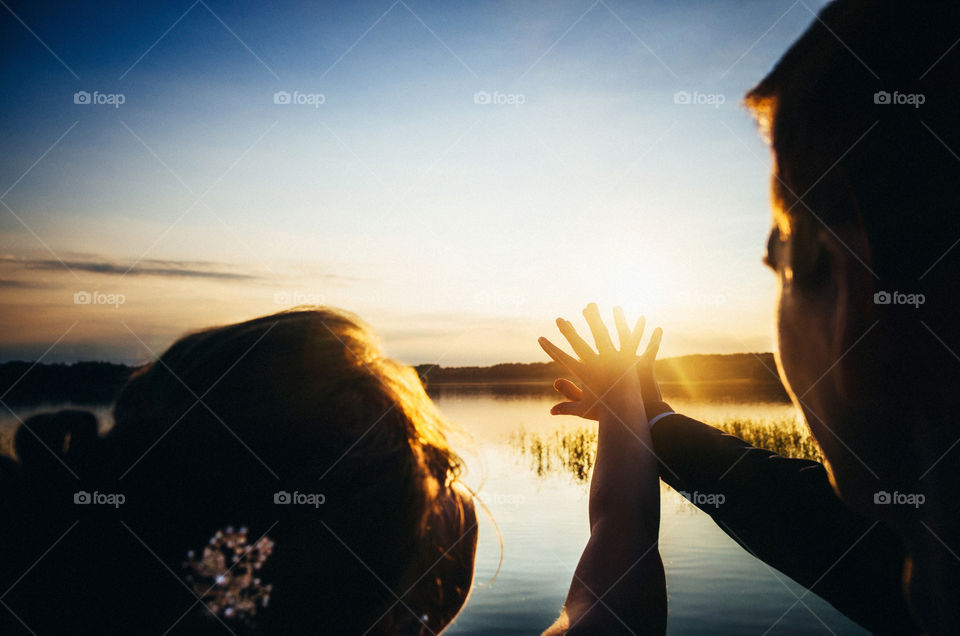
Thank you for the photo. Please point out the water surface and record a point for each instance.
(538, 497)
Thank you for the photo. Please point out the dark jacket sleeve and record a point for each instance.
(785, 512)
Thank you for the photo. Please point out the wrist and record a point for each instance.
(652, 421)
(623, 409)
(624, 403)
(656, 411)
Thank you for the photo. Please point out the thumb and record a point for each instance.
(568, 389)
(567, 408)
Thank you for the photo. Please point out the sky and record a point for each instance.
(456, 173)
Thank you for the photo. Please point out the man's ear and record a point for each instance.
(846, 254)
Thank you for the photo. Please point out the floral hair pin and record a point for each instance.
(224, 577)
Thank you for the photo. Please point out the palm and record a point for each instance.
(605, 370)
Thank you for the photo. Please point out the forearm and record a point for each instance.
(619, 583)
(627, 588)
(785, 512)
(625, 487)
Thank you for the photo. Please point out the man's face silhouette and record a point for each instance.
(821, 313)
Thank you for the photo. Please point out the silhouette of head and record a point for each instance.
(294, 426)
(861, 114)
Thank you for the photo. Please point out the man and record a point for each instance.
(863, 115)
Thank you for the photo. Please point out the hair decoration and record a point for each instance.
(225, 576)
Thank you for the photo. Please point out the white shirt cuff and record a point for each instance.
(659, 417)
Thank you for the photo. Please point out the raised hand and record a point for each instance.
(604, 373)
(619, 563)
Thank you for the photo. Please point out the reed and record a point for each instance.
(572, 451)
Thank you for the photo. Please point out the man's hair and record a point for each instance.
(863, 114)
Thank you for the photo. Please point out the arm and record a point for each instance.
(619, 585)
(785, 512)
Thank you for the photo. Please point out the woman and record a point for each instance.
(289, 442)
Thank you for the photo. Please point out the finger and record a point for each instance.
(568, 408)
(561, 357)
(623, 331)
(599, 330)
(568, 389)
(637, 334)
(580, 346)
(654, 347)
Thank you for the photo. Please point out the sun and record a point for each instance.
(636, 282)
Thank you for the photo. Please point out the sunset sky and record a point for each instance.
(457, 173)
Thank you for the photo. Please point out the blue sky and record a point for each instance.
(458, 228)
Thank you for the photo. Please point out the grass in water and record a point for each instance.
(573, 451)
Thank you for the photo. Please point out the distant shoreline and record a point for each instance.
(751, 368)
(711, 376)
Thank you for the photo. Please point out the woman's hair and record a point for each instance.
(293, 426)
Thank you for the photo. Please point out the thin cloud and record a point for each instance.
(203, 270)
(166, 269)
(6, 283)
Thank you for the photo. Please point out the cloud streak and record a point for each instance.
(166, 269)
(172, 269)
(6, 283)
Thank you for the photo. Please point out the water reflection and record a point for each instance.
(572, 451)
(495, 390)
(736, 391)
(532, 470)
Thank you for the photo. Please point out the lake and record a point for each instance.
(532, 471)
